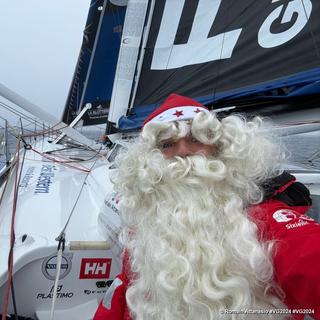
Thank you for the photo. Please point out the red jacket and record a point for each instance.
(296, 259)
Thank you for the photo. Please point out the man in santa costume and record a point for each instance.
(212, 228)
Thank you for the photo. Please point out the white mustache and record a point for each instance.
(197, 166)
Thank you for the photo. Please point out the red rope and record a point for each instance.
(10, 271)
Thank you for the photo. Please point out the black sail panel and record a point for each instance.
(211, 50)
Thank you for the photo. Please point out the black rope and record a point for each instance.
(62, 241)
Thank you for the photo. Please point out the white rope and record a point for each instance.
(56, 281)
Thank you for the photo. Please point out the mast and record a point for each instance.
(127, 61)
(102, 10)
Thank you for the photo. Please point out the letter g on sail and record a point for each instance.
(299, 8)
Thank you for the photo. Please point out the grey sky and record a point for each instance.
(39, 46)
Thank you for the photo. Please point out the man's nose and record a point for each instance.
(183, 148)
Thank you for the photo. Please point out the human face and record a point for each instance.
(186, 146)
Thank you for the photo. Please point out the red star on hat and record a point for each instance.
(178, 113)
(197, 110)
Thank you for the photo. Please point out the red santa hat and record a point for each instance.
(176, 108)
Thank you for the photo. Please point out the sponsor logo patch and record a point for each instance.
(49, 266)
(61, 294)
(299, 223)
(95, 268)
(284, 215)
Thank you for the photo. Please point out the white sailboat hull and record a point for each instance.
(49, 195)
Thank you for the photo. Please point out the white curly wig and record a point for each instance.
(194, 252)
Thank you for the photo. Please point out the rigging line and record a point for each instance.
(15, 129)
(70, 145)
(15, 132)
(19, 113)
(50, 130)
(32, 133)
(7, 179)
(76, 143)
(16, 112)
(32, 120)
(311, 32)
(79, 146)
(15, 135)
(68, 148)
(56, 280)
(65, 163)
(74, 159)
(29, 124)
(12, 232)
(24, 127)
(63, 231)
(1, 127)
(97, 153)
(13, 297)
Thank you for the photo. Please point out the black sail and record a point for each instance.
(221, 50)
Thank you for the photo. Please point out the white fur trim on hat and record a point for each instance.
(178, 113)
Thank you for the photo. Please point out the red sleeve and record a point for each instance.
(113, 305)
(297, 252)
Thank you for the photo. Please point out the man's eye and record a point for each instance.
(167, 144)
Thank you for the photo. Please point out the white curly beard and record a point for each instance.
(193, 249)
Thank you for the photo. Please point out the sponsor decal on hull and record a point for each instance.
(27, 177)
(95, 268)
(89, 292)
(49, 266)
(60, 294)
(45, 179)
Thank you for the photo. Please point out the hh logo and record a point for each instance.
(95, 268)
